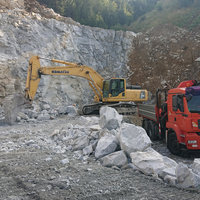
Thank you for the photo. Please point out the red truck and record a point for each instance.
(175, 117)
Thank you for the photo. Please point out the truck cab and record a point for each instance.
(183, 124)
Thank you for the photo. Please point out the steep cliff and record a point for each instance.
(26, 29)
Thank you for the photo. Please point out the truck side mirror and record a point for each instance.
(175, 103)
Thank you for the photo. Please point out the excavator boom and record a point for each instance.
(72, 69)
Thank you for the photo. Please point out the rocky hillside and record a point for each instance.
(164, 56)
(26, 29)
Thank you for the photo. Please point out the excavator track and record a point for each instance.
(123, 108)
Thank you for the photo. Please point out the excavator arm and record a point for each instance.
(35, 71)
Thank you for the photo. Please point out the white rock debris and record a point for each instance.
(116, 148)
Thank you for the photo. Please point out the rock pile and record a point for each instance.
(44, 112)
(116, 147)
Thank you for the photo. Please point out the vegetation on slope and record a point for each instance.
(134, 15)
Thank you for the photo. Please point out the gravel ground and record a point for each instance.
(31, 169)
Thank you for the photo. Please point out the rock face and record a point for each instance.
(133, 138)
(23, 34)
(11, 4)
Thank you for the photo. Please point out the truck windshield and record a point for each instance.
(193, 98)
(194, 104)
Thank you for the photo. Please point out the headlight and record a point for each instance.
(142, 95)
(194, 124)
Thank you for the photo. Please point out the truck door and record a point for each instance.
(178, 109)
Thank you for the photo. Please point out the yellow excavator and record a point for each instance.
(112, 92)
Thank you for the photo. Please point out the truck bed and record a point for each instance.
(147, 111)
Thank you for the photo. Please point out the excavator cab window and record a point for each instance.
(116, 87)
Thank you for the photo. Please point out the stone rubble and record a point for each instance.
(113, 149)
(86, 142)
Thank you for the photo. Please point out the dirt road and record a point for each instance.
(31, 168)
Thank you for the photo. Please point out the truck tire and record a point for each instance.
(172, 143)
(145, 125)
(151, 130)
(156, 129)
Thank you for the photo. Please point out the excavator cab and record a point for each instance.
(113, 87)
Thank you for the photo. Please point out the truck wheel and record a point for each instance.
(172, 143)
(156, 128)
(145, 125)
(151, 131)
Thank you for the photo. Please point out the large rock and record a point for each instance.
(109, 118)
(133, 138)
(185, 177)
(80, 143)
(71, 110)
(196, 166)
(118, 159)
(106, 145)
(151, 162)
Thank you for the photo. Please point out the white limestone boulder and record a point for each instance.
(196, 166)
(109, 118)
(185, 177)
(106, 145)
(150, 162)
(117, 158)
(133, 138)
